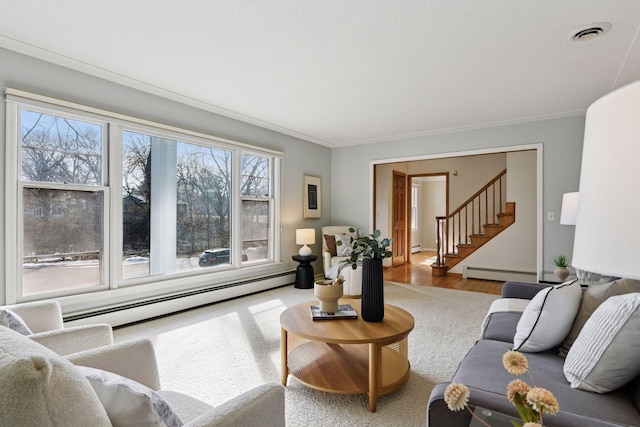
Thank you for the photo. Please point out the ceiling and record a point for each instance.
(339, 72)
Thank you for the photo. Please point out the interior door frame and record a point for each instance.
(538, 147)
(409, 216)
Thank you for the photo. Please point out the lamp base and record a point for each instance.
(304, 251)
(587, 277)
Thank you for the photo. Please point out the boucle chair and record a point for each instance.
(352, 286)
(44, 320)
(40, 387)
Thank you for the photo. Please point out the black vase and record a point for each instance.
(372, 290)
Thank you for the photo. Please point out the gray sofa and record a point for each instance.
(482, 371)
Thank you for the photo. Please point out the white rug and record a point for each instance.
(217, 352)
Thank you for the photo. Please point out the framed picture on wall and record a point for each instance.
(311, 197)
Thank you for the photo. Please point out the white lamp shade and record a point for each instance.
(607, 234)
(569, 212)
(305, 236)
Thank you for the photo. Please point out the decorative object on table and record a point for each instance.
(311, 197)
(344, 311)
(328, 293)
(305, 236)
(530, 402)
(370, 250)
(569, 216)
(561, 264)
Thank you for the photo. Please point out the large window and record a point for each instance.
(105, 203)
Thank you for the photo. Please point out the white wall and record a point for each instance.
(515, 248)
(300, 157)
(433, 205)
(562, 151)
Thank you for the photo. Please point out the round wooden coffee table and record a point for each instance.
(348, 355)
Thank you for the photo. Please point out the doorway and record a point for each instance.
(429, 199)
(525, 190)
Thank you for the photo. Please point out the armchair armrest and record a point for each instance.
(326, 261)
(75, 338)
(40, 316)
(135, 360)
(522, 290)
(262, 406)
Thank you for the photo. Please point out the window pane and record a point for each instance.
(171, 185)
(136, 209)
(60, 149)
(255, 230)
(255, 176)
(62, 240)
(204, 204)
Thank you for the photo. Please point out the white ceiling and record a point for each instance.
(344, 72)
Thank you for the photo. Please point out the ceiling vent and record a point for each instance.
(592, 32)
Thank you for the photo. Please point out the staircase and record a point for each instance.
(478, 220)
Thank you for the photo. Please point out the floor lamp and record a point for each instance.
(607, 227)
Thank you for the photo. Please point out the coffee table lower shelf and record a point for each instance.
(344, 368)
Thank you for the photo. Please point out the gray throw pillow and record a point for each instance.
(593, 296)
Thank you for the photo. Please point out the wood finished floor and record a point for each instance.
(418, 272)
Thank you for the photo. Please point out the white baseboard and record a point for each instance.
(469, 272)
(144, 310)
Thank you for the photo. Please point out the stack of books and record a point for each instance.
(345, 311)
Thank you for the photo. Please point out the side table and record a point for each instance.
(304, 272)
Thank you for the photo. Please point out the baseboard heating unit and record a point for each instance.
(469, 272)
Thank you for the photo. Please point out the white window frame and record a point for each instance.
(115, 123)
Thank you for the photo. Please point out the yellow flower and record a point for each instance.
(542, 400)
(517, 386)
(515, 362)
(456, 396)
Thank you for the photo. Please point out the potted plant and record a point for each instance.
(369, 250)
(561, 262)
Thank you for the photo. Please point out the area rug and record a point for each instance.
(216, 352)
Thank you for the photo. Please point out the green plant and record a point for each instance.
(561, 261)
(367, 246)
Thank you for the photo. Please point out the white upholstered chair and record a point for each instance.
(44, 320)
(42, 388)
(352, 286)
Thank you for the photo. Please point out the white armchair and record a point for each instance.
(40, 387)
(352, 286)
(44, 319)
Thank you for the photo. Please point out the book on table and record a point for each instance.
(345, 311)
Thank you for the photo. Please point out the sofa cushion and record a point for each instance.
(330, 241)
(500, 326)
(128, 402)
(604, 357)
(547, 319)
(593, 296)
(482, 371)
(14, 322)
(40, 388)
(494, 316)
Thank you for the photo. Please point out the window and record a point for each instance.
(414, 207)
(105, 201)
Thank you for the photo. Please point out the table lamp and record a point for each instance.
(305, 236)
(607, 233)
(569, 216)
